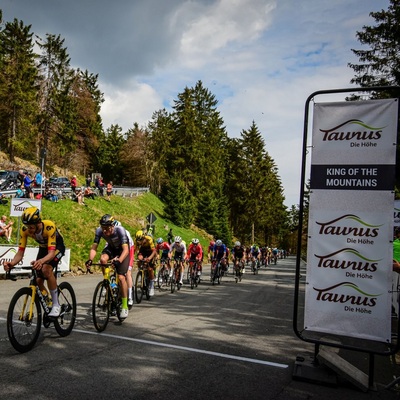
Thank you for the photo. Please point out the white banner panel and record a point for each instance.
(19, 205)
(349, 254)
(7, 253)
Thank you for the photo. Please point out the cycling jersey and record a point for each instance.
(219, 251)
(146, 246)
(48, 237)
(179, 250)
(238, 252)
(115, 241)
(164, 248)
(194, 252)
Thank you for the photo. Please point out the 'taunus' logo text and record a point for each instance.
(335, 261)
(333, 227)
(333, 294)
(339, 133)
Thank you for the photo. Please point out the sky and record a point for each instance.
(260, 58)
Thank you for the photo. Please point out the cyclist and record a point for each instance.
(129, 279)
(164, 247)
(195, 252)
(51, 249)
(238, 254)
(117, 251)
(275, 252)
(210, 250)
(255, 254)
(147, 252)
(219, 253)
(179, 250)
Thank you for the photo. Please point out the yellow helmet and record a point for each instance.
(31, 216)
(139, 235)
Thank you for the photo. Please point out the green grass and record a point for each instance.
(77, 223)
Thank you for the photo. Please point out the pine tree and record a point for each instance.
(380, 64)
(18, 91)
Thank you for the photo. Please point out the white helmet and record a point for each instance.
(237, 244)
(195, 241)
(218, 242)
(178, 239)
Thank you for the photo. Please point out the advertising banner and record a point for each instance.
(7, 253)
(349, 254)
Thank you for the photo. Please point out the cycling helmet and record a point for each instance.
(195, 241)
(160, 240)
(218, 242)
(107, 220)
(31, 216)
(212, 243)
(139, 235)
(178, 239)
(237, 244)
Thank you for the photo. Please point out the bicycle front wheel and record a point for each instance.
(101, 306)
(139, 287)
(66, 321)
(24, 319)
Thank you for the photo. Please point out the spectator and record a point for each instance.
(3, 199)
(27, 185)
(100, 185)
(88, 181)
(78, 197)
(38, 179)
(109, 190)
(170, 236)
(6, 228)
(74, 183)
(21, 176)
(51, 194)
(89, 193)
(19, 194)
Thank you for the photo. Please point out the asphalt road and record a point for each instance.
(228, 341)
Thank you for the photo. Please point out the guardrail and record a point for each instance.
(123, 191)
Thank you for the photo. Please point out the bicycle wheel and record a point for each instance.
(161, 282)
(23, 327)
(219, 275)
(147, 287)
(66, 321)
(192, 272)
(139, 287)
(118, 305)
(101, 306)
(188, 275)
(173, 281)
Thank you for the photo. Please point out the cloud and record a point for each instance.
(260, 58)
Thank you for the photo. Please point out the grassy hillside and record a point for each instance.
(78, 223)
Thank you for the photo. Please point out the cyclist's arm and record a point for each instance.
(93, 251)
(17, 258)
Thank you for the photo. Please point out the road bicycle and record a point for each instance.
(29, 306)
(176, 275)
(216, 273)
(193, 271)
(142, 281)
(106, 298)
(255, 265)
(239, 271)
(163, 277)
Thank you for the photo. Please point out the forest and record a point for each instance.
(50, 116)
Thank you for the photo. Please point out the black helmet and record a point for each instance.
(31, 216)
(107, 220)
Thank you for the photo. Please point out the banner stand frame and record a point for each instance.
(312, 371)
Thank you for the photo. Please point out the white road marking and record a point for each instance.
(184, 348)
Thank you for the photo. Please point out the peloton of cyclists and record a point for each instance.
(195, 252)
(178, 249)
(147, 252)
